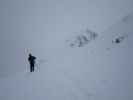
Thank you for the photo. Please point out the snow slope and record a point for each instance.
(99, 70)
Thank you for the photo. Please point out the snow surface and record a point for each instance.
(99, 70)
(86, 73)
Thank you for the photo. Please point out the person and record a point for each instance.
(31, 60)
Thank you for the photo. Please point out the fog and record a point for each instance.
(98, 70)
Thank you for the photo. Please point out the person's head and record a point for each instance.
(30, 54)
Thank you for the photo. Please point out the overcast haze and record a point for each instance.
(100, 70)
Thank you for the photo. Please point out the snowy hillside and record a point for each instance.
(75, 60)
(87, 73)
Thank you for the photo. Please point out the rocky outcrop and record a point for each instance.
(82, 39)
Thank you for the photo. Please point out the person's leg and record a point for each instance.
(33, 68)
(30, 67)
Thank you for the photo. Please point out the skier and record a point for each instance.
(31, 60)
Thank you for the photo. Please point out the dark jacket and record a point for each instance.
(31, 59)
